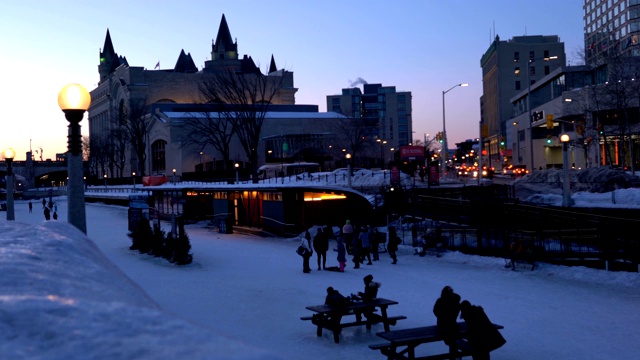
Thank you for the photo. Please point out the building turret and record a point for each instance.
(224, 48)
(109, 59)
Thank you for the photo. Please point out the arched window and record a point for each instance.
(158, 158)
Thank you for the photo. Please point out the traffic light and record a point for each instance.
(550, 123)
(502, 142)
(549, 139)
(600, 130)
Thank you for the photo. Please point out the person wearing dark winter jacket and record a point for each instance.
(446, 310)
(365, 245)
(392, 247)
(321, 245)
(482, 336)
(370, 292)
(337, 300)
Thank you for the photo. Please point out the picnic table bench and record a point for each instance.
(401, 344)
(330, 318)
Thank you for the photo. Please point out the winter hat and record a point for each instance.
(368, 278)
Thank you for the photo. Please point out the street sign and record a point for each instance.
(537, 115)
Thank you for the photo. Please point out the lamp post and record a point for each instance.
(444, 130)
(133, 175)
(174, 176)
(531, 62)
(105, 180)
(566, 190)
(9, 154)
(348, 157)
(382, 157)
(237, 166)
(74, 100)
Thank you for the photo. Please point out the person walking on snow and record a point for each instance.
(392, 247)
(306, 243)
(347, 235)
(321, 245)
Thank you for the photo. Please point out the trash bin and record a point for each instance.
(222, 225)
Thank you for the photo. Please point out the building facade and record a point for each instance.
(388, 110)
(124, 89)
(509, 67)
(301, 127)
(611, 27)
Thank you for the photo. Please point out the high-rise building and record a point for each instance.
(509, 67)
(611, 27)
(389, 110)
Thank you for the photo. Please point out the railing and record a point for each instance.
(591, 237)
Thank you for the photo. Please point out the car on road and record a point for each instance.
(515, 170)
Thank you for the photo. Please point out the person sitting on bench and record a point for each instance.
(337, 300)
(370, 292)
(482, 336)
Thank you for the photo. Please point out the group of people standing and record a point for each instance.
(361, 243)
(481, 336)
(48, 209)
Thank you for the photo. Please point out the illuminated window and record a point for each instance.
(272, 196)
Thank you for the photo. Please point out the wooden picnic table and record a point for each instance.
(401, 344)
(330, 318)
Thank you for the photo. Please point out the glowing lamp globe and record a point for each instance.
(74, 97)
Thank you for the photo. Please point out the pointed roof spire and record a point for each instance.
(224, 40)
(107, 49)
(272, 66)
(185, 63)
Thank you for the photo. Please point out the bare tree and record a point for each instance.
(244, 100)
(210, 129)
(99, 156)
(86, 148)
(133, 123)
(355, 134)
(619, 95)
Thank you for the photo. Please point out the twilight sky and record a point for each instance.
(422, 46)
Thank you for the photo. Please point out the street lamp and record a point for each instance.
(133, 175)
(74, 100)
(9, 154)
(566, 190)
(174, 176)
(529, 105)
(237, 166)
(105, 180)
(444, 130)
(348, 157)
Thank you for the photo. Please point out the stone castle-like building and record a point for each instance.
(122, 86)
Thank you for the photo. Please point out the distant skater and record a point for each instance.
(30, 207)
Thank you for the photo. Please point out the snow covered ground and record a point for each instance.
(68, 297)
